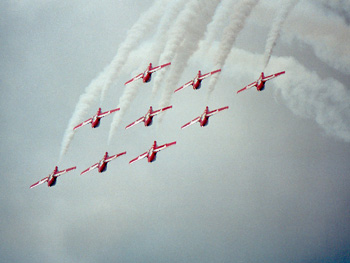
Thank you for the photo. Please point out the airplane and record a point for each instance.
(102, 164)
(148, 118)
(95, 120)
(260, 83)
(147, 74)
(51, 179)
(204, 118)
(196, 82)
(151, 154)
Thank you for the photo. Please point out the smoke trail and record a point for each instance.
(325, 100)
(240, 14)
(137, 32)
(195, 30)
(329, 38)
(219, 20)
(276, 29)
(124, 104)
(177, 35)
(99, 86)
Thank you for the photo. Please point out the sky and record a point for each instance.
(266, 181)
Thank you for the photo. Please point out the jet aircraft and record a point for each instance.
(95, 120)
(260, 83)
(204, 118)
(148, 118)
(147, 74)
(52, 178)
(151, 154)
(197, 81)
(102, 164)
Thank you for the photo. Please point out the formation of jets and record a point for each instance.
(151, 154)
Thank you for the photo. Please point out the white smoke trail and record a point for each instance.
(138, 31)
(218, 22)
(98, 87)
(325, 100)
(176, 36)
(276, 29)
(329, 38)
(195, 30)
(124, 104)
(240, 13)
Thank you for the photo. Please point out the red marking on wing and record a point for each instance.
(83, 123)
(191, 122)
(134, 78)
(110, 158)
(160, 110)
(184, 86)
(209, 74)
(159, 67)
(89, 169)
(273, 76)
(139, 157)
(211, 113)
(44, 180)
(108, 112)
(159, 148)
(135, 122)
(64, 171)
(248, 86)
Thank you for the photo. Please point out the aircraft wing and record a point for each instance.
(44, 180)
(159, 148)
(160, 110)
(248, 86)
(134, 78)
(135, 122)
(209, 74)
(83, 123)
(64, 171)
(110, 158)
(159, 67)
(273, 76)
(184, 86)
(211, 113)
(191, 122)
(108, 112)
(139, 157)
(89, 169)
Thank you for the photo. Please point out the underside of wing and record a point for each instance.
(110, 158)
(108, 112)
(83, 123)
(273, 76)
(135, 122)
(210, 113)
(209, 74)
(248, 86)
(134, 78)
(159, 67)
(162, 147)
(44, 180)
(184, 86)
(89, 169)
(65, 171)
(191, 122)
(138, 157)
(160, 110)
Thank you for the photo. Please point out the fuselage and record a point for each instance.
(203, 121)
(151, 153)
(260, 84)
(52, 178)
(95, 119)
(148, 118)
(102, 165)
(196, 82)
(147, 75)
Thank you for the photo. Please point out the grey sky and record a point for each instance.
(265, 181)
